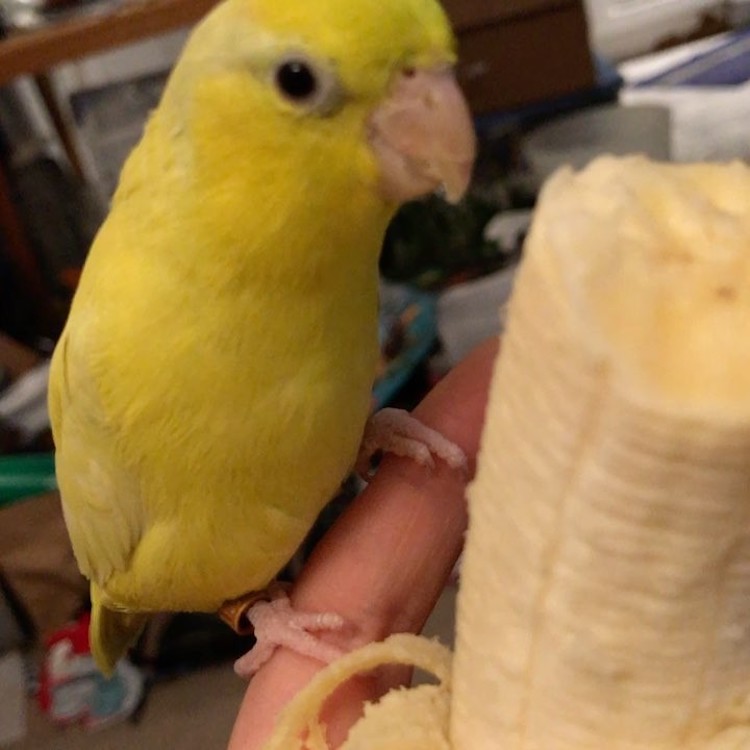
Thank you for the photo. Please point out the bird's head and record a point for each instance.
(362, 89)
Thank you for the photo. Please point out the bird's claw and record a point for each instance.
(396, 431)
(276, 624)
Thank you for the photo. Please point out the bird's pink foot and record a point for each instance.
(276, 623)
(396, 431)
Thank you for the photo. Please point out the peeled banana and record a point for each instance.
(610, 516)
(610, 522)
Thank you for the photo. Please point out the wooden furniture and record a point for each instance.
(34, 52)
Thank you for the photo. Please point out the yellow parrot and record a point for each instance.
(212, 385)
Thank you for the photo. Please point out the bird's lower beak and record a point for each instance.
(423, 137)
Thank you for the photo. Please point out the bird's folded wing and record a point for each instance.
(101, 499)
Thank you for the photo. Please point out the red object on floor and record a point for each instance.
(72, 690)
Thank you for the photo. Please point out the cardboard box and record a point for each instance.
(515, 53)
(37, 562)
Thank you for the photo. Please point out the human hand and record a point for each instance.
(384, 563)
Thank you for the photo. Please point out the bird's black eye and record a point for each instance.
(308, 83)
(297, 80)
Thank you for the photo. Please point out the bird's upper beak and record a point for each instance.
(423, 137)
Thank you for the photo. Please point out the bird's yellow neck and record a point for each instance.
(312, 226)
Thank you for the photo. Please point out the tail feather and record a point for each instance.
(112, 632)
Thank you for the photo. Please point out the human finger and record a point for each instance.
(384, 563)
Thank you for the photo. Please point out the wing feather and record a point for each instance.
(101, 499)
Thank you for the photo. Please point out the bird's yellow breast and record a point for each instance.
(225, 327)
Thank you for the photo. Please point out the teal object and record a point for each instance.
(419, 337)
(26, 475)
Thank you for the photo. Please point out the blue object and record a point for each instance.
(419, 336)
(726, 65)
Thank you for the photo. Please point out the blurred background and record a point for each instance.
(550, 82)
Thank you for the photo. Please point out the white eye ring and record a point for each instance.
(307, 84)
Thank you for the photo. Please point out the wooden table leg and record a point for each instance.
(15, 244)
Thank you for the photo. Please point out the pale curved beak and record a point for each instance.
(423, 137)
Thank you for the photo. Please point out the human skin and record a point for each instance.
(383, 564)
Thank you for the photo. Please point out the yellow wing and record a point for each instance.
(101, 499)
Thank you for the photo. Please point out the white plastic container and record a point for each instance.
(576, 139)
(468, 313)
(624, 28)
